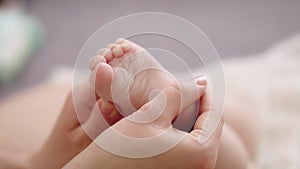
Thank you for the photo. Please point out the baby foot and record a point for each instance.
(129, 65)
(126, 74)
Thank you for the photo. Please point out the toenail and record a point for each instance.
(201, 81)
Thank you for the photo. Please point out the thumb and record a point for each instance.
(77, 107)
(166, 105)
(208, 126)
(191, 91)
(187, 117)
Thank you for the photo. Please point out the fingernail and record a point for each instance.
(201, 81)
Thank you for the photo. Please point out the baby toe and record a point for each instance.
(117, 51)
(95, 60)
(106, 52)
(126, 46)
(102, 51)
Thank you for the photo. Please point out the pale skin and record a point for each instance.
(244, 144)
(191, 153)
(72, 134)
(125, 64)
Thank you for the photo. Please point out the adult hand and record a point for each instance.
(68, 136)
(189, 153)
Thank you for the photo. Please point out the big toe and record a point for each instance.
(101, 78)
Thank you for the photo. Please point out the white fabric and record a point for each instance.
(273, 79)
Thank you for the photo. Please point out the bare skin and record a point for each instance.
(123, 65)
(68, 139)
(233, 138)
(240, 143)
(121, 62)
(46, 123)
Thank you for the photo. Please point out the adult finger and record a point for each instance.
(77, 107)
(201, 128)
(166, 105)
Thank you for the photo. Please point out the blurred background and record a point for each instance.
(46, 34)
